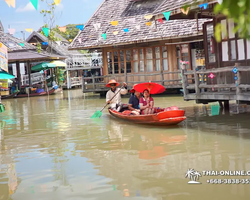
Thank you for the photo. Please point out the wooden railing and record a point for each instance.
(224, 82)
(167, 79)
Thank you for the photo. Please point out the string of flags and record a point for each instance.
(12, 3)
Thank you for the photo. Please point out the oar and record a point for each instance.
(98, 113)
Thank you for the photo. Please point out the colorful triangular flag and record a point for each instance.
(34, 3)
(29, 30)
(185, 11)
(62, 29)
(46, 31)
(204, 5)
(12, 31)
(167, 15)
(104, 35)
(70, 40)
(57, 2)
(11, 3)
(160, 20)
(80, 27)
(21, 44)
(97, 26)
(126, 30)
(148, 16)
(148, 23)
(115, 32)
(114, 23)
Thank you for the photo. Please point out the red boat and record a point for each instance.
(35, 94)
(162, 117)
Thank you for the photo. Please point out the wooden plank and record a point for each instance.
(217, 86)
(242, 86)
(191, 87)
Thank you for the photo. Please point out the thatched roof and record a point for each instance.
(130, 14)
(61, 49)
(13, 44)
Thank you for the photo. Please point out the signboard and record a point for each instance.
(3, 57)
(4, 84)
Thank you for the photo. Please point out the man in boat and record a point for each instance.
(133, 104)
(115, 103)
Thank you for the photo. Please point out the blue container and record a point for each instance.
(39, 90)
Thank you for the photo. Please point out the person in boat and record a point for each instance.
(133, 104)
(146, 103)
(115, 103)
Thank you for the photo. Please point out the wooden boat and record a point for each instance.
(36, 94)
(164, 118)
(9, 96)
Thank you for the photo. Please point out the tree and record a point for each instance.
(71, 31)
(235, 9)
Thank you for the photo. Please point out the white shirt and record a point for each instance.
(117, 99)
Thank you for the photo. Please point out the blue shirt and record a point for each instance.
(134, 101)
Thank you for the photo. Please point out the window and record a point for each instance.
(210, 43)
(128, 61)
(109, 59)
(165, 58)
(233, 48)
(135, 60)
(149, 58)
(157, 59)
(122, 61)
(116, 62)
(141, 60)
(182, 55)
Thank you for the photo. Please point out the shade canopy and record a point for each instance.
(153, 88)
(5, 75)
(59, 63)
(43, 66)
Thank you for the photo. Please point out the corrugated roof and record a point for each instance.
(13, 43)
(113, 10)
(60, 49)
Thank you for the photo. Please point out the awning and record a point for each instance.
(43, 66)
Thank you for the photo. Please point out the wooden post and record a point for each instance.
(29, 71)
(196, 81)
(18, 75)
(184, 82)
(162, 77)
(93, 82)
(83, 84)
(126, 77)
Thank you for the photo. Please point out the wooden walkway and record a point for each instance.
(223, 87)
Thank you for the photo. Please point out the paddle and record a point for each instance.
(98, 113)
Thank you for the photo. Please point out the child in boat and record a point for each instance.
(146, 103)
(133, 104)
(115, 103)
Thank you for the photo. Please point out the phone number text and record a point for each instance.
(228, 181)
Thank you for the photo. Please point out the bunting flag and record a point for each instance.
(57, 2)
(104, 35)
(46, 31)
(80, 27)
(148, 17)
(97, 26)
(126, 30)
(114, 23)
(148, 23)
(167, 15)
(115, 32)
(185, 11)
(29, 30)
(138, 27)
(45, 43)
(62, 29)
(220, 1)
(21, 44)
(34, 3)
(12, 31)
(80, 40)
(204, 5)
(70, 40)
(11, 3)
(160, 20)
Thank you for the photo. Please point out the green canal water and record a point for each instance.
(51, 149)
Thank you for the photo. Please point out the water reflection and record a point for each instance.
(51, 149)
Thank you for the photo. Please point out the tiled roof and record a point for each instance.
(1, 26)
(122, 11)
(13, 43)
(60, 49)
